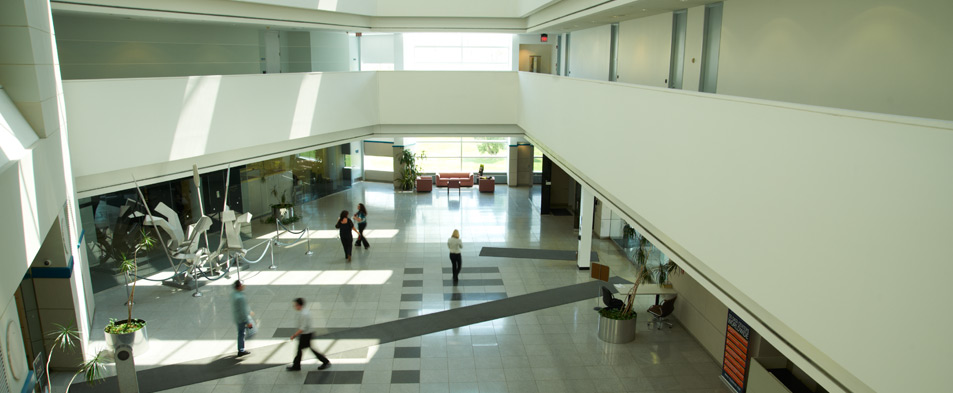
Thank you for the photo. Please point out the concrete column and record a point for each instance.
(398, 150)
(602, 219)
(520, 171)
(524, 175)
(512, 172)
(586, 201)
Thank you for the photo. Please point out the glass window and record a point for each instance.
(378, 163)
(458, 51)
(462, 154)
(537, 161)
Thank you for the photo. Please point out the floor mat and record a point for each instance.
(533, 253)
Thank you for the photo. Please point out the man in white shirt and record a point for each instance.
(304, 333)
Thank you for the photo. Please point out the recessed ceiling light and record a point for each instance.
(643, 9)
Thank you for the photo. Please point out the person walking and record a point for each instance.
(240, 313)
(455, 244)
(361, 219)
(345, 225)
(304, 334)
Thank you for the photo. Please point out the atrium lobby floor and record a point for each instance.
(392, 321)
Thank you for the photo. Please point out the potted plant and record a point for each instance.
(618, 325)
(66, 338)
(407, 178)
(131, 332)
(628, 236)
(481, 171)
(276, 209)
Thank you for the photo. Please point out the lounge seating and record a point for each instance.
(466, 178)
(424, 183)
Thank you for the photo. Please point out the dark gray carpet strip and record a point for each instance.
(532, 253)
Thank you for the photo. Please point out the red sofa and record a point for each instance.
(466, 179)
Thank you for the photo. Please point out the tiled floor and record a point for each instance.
(406, 273)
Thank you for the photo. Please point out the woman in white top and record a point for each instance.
(455, 244)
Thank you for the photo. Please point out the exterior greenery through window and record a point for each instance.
(455, 154)
(537, 161)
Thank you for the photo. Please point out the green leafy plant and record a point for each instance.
(407, 177)
(658, 274)
(91, 369)
(123, 327)
(66, 338)
(130, 267)
(283, 204)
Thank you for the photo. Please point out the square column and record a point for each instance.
(583, 255)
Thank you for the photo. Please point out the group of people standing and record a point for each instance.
(305, 331)
(346, 225)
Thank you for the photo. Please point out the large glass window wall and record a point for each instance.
(113, 222)
(462, 154)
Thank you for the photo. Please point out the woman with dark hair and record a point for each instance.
(361, 219)
(345, 225)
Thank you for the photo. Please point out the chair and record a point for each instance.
(424, 183)
(660, 312)
(610, 301)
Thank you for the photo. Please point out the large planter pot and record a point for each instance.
(138, 340)
(616, 331)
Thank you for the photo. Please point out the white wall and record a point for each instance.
(645, 47)
(92, 47)
(457, 97)
(589, 53)
(888, 56)
(778, 210)
(168, 123)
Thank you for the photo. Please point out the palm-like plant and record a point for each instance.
(408, 175)
(66, 339)
(91, 369)
(131, 266)
(658, 274)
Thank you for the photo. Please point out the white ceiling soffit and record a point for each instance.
(554, 16)
(419, 8)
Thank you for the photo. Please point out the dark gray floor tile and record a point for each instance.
(413, 270)
(482, 282)
(448, 270)
(413, 283)
(406, 352)
(319, 378)
(411, 297)
(348, 377)
(318, 331)
(408, 313)
(405, 376)
(473, 296)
